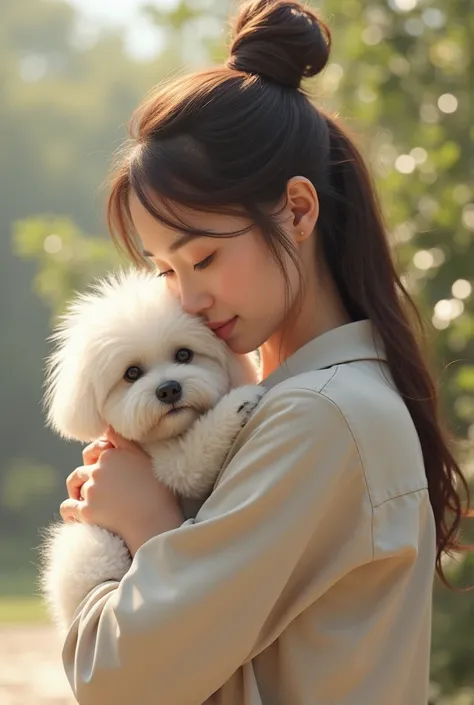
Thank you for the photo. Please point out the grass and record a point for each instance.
(20, 602)
(22, 610)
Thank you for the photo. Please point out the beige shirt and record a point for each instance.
(304, 579)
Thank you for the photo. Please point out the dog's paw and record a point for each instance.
(246, 400)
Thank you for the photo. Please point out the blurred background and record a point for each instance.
(71, 72)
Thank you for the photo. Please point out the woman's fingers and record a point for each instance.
(75, 481)
(70, 510)
(92, 452)
(118, 441)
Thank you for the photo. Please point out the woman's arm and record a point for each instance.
(204, 598)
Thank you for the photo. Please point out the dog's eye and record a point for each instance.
(184, 356)
(133, 373)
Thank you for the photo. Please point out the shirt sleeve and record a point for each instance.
(201, 600)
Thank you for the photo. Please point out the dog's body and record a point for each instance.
(129, 357)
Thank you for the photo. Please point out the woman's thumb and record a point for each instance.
(119, 441)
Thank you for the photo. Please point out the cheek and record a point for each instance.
(172, 285)
(209, 374)
(255, 281)
(125, 400)
(115, 404)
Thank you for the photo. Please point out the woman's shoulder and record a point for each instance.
(363, 393)
(358, 399)
(340, 438)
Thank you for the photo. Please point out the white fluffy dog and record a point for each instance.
(129, 357)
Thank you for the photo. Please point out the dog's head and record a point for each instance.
(128, 356)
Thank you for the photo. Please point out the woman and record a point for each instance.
(305, 578)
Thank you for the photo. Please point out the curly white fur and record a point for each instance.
(130, 320)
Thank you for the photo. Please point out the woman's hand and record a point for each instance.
(117, 490)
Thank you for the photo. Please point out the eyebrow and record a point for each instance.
(177, 244)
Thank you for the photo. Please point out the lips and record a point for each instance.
(218, 324)
(223, 330)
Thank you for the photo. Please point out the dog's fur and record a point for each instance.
(130, 320)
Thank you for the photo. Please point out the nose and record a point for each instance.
(169, 392)
(193, 300)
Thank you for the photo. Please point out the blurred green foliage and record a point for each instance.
(401, 74)
(66, 259)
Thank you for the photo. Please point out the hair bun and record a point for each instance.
(280, 41)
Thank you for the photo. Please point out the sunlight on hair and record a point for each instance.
(332, 76)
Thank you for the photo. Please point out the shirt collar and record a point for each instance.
(347, 343)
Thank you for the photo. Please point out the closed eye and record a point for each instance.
(198, 266)
(165, 274)
(205, 262)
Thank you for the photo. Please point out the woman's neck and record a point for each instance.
(321, 311)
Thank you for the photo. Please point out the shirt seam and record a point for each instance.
(389, 499)
(373, 506)
(325, 396)
(336, 367)
(402, 494)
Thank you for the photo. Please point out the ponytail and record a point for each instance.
(358, 255)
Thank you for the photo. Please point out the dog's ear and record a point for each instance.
(70, 399)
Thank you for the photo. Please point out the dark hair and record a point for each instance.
(231, 137)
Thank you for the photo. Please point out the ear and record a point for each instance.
(302, 207)
(70, 400)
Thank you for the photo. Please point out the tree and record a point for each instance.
(64, 105)
(63, 112)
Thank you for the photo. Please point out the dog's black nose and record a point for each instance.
(169, 392)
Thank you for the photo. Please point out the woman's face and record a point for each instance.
(231, 282)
